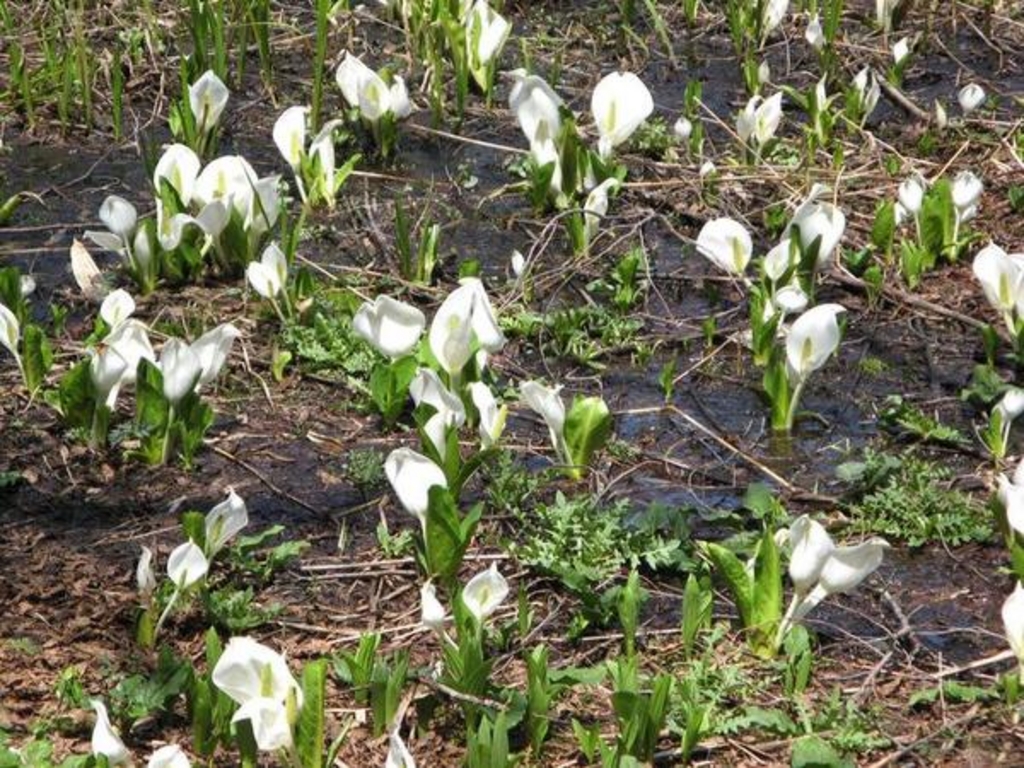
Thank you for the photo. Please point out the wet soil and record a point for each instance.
(70, 532)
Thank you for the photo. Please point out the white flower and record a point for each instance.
(941, 118)
(596, 207)
(398, 754)
(778, 260)
(867, 86)
(10, 332)
(1013, 622)
(492, 417)
(432, 614)
(620, 104)
(105, 740)
(814, 33)
(727, 243)
(186, 565)
(518, 263)
(773, 13)
(707, 168)
(547, 403)
(971, 97)
(170, 756)
(365, 89)
(290, 135)
(901, 50)
(145, 578)
(847, 567)
(212, 349)
(107, 370)
(181, 369)
(760, 119)
(249, 670)
(682, 129)
(1001, 277)
(810, 546)
(535, 104)
(412, 475)
(131, 340)
(119, 216)
(426, 387)
(117, 307)
(967, 189)
(464, 316)
(268, 275)
(911, 193)
(268, 718)
(811, 340)
(224, 521)
(486, 33)
(179, 167)
(484, 593)
(815, 219)
(389, 326)
(207, 96)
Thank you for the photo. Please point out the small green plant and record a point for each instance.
(584, 543)
(909, 498)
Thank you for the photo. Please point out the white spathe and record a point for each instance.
(484, 593)
(117, 307)
(547, 403)
(620, 104)
(816, 219)
(366, 90)
(119, 216)
(759, 119)
(971, 96)
(1001, 277)
(289, 135)
(534, 104)
(412, 475)
(596, 207)
(727, 244)
(212, 349)
(224, 522)
(186, 565)
(179, 166)
(207, 97)
(269, 275)
(105, 740)
(10, 331)
(492, 416)
(145, 578)
(1013, 622)
(811, 546)
(432, 613)
(181, 369)
(389, 326)
(171, 756)
(811, 340)
(464, 316)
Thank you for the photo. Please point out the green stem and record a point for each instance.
(794, 401)
(165, 453)
(165, 613)
(787, 620)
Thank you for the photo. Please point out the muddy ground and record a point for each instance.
(70, 531)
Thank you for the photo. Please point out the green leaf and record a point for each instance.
(310, 729)
(76, 396)
(446, 536)
(588, 425)
(736, 578)
(767, 589)
(814, 752)
(37, 356)
(151, 412)
(389, 387)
